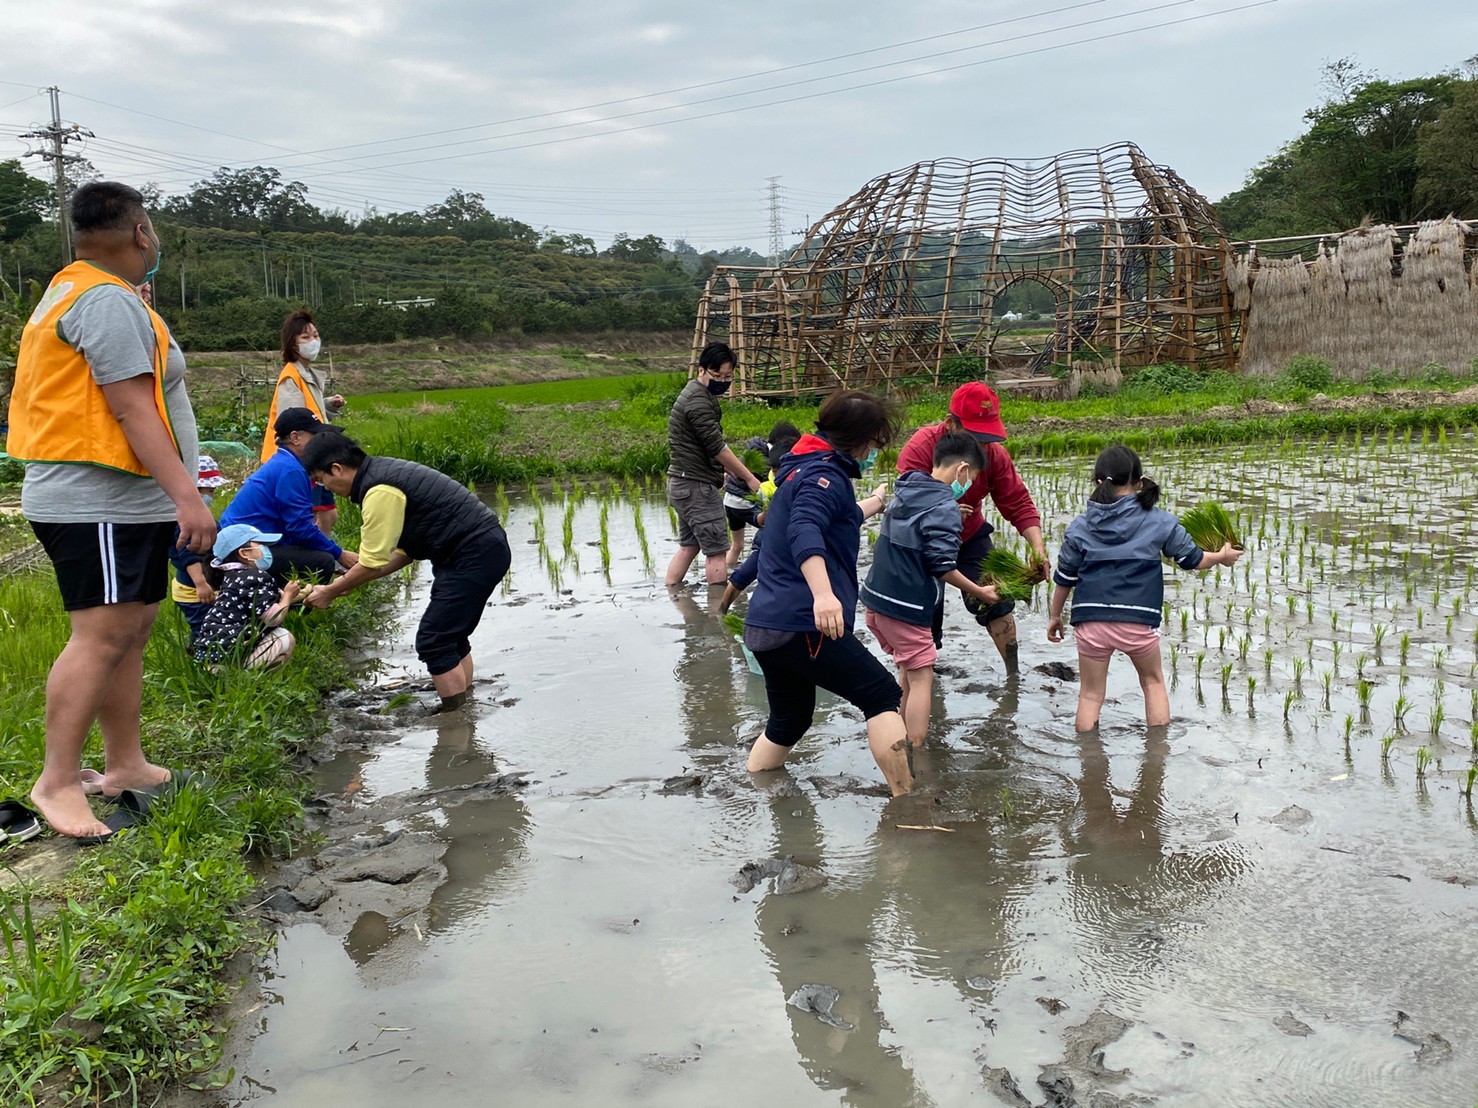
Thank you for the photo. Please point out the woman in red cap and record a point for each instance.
(975, 408)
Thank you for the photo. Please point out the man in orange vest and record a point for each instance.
(100, 416)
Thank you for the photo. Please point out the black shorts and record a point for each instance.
(108, 563)
(807, 662)
(460, 589)
(740, 518)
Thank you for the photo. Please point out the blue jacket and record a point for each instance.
(1110, 558)
(277, 499)
(814, 511)
(919, 544)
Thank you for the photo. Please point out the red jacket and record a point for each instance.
(999, 478)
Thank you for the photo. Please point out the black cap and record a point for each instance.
(300, 419)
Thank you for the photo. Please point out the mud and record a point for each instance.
(572, 893)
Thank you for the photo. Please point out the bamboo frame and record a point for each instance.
(904, 274)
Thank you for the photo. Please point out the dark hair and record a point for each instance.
(331, 448)
(716, 354)
(782, 442)
(294, 325)
(959, 446)
(106, 206)
(852, 420)
(1119, 466)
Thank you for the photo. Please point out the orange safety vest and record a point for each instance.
(290, 372)
(58, 413)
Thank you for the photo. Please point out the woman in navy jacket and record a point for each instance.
(800, 618)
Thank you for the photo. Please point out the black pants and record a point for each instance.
(460, 588)
(300, 561)
(972, 554)
(808, 662)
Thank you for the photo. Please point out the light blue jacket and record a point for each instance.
(1110, 558)
(919, 543)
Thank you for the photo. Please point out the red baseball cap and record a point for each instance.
(979, 411)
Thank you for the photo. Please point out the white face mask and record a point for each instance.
(309, 348)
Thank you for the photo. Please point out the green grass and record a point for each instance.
(582, 390)
(110, 980)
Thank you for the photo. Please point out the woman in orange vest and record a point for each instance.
(300, 385)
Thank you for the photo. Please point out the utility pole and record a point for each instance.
(777, 224)
(59, 135)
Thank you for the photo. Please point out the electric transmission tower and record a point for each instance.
(777, 223)
(58, 135)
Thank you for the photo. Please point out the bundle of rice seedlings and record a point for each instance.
(1013, 578)
(1211, 526)
(734, 624)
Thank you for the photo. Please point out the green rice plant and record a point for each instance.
(1423, 760)
(1221, 640)
(1174, 658)
(1363, 689)
(1349, 727)
(1211, 527)
(734, 624)
(1387, 741)
(1292, 605)
(1468, 779)
(1309, 609)
(1379, 633)
(1326, 679)
(1435, 718)
(641, 535)
(1012, 577)
(568, 531)
(1299, 665)
(1333, 620)
(1200, 661)
(1473, 736)
(1244, 643)
(1288, 698)
(1405, 647)
(1226, 677)
(1399, 709)
(1185, 623)
(1336, 648)
(605, 539)
(1251, 689)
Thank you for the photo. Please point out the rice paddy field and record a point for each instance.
(1271, 901)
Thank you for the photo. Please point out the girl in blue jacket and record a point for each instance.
(1111, 558)
(800, 618)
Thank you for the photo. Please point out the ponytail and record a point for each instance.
(1119, 466)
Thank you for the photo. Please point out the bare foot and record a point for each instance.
(67, 811)
(145, 775)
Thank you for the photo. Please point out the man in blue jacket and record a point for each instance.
(277, 499)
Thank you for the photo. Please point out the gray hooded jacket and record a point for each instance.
(919, 544)
(1110, 558)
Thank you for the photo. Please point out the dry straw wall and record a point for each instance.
(1376, 298)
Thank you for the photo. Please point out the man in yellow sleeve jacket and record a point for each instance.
(409, 512)
(100, 417)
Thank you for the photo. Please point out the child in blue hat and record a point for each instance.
(249, 606)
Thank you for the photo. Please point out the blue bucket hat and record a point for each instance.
(233, 538)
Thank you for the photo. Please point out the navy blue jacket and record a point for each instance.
(1110, 558)
(814, 511)
(276, 499)
(919, 544)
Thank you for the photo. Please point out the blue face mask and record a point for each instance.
(867, 462)
(958, 489)
(207, 497)
(158, 257)
(264, 563)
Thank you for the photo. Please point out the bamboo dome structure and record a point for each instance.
(905, 275)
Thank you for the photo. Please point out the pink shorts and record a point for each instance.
(909, 645)
(1100, 640)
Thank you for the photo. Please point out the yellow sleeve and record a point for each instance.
(382, 517)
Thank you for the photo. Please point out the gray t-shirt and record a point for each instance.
(110, 327)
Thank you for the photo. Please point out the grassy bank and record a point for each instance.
(618, 425)
(113, 961)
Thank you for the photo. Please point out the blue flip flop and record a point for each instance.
(18, 823)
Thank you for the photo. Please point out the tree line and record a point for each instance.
(1390, 151)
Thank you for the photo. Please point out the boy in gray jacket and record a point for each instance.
(913, 561)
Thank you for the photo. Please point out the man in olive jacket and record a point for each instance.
(409, 512)
(695, 477)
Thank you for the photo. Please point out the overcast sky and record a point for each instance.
(668, 116)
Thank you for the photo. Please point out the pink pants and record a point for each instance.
(1100, 640)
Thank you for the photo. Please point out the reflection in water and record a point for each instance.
(705, 674)
(466, 838)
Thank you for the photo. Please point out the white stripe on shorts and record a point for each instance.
(109, 559)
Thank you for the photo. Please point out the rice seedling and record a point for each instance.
(1405, 647)
(1288, 698)
(1226, 677)
(1221, 640)
(1298, 671)
(1435, 718)
(1399, 709)
(567, 529)
(1467, 786)
(1267, 662)
(1379, 634)
(1244, 643)
(1326, 679)
(1423, 760)
(1013, 578)
(1387, 741)
(605, 539)
(1251, 690)
(1200, 661)
(1349, 727)
(1363, 689)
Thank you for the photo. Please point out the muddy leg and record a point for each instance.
(1003, 634)
(887, 738)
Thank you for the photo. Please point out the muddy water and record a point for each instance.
(1244, 908)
